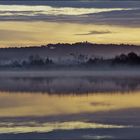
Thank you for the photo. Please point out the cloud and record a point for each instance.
(112, 13)
(121, 18)
(95, 33)
(49, 10)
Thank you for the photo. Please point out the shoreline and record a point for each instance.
(69, 73)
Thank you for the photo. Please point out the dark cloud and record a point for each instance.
(124, 17)
(76, 3)
(96, 33)
(121, 18)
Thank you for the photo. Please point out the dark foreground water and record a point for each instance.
(69, 107)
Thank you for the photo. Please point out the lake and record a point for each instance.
(69, 107)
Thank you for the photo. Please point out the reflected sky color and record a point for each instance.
(48, 127)
(45, 105)
(21, 108)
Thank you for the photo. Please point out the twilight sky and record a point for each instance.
(41, 22)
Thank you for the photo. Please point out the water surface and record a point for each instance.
(75, 107)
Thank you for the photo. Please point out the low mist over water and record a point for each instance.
(69, 69)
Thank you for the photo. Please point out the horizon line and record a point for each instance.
(73, 43)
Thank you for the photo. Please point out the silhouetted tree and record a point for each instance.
(48, 61)
(36, 60)
(16, 64)
(131, 58)
(93, 61)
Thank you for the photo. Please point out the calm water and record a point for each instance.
(69, 107)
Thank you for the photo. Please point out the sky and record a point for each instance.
(26, 23)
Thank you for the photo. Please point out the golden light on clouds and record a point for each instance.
(49, 10)
(39, 33)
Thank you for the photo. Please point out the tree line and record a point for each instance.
(122, 59)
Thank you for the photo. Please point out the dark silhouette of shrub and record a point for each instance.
(130, 59)
(94, 60)
(16, 64)
(48, 61)
(36, 60)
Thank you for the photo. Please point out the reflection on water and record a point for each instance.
(21, 111)
(26, 104)
(64, 85)
(26, 112)
(48, 127)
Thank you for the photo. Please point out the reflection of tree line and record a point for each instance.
(81, 85)
(128, 84)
